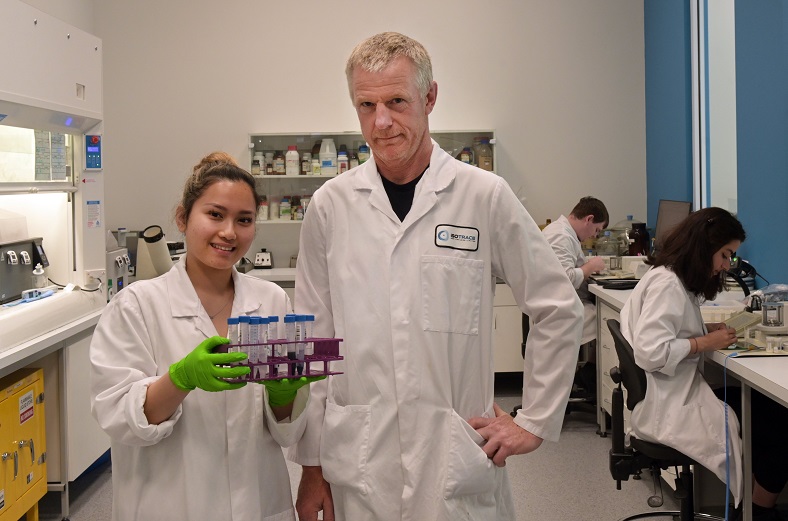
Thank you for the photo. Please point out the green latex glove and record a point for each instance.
(283, 392)
(202, 368)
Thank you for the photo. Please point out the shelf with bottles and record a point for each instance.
(276, 187)
(452, 141)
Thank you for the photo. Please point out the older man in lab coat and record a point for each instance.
(399, 257)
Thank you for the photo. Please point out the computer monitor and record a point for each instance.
(669, 214)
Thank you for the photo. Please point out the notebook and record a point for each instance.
(741, 320)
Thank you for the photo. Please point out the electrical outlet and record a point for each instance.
(93, 276)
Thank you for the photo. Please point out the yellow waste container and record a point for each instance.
(22, 444)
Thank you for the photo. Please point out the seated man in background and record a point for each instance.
(587, 219)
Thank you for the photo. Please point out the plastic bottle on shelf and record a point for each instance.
(315, 166)
(466, 155)
(306, 163)
(353, 160)
(328, 157)
(262, 210)
(343, 163)
(638, 239)
(257, 160)
(279, 163)
(292, 161)
(273, 209)
(363, 154)
(485, 155)
(269, 163)
(284, 209)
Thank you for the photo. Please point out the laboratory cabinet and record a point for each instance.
(507, 331)
(22, 444)
(276, 187)
(607, 359)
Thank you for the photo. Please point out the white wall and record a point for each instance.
(79, 13)
(561, 81)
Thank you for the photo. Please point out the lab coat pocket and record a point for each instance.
(469, 470)
(451, 294)
(344, 445)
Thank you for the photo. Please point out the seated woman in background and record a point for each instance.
(663, 323)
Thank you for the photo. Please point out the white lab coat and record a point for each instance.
(219, 456)
(680, 410)
(417, 322)
(567, 247)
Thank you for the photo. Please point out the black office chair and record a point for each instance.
(582, 398)
(630, 461)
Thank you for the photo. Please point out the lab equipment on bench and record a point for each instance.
(118, 263)
(262, 259)
(286, 357)
(17, 262)
(153, 256)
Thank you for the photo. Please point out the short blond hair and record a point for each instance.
(376, 52)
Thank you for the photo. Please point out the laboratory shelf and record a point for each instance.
(294, 177)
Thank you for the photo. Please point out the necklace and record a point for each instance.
(225, 305)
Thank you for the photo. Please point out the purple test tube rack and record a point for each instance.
(326, 350)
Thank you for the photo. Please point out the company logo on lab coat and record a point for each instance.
(456, 237)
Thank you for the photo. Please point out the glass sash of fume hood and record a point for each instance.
(35, 160)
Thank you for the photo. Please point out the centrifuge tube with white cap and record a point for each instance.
(243, 326)
(300, 346)
(309, 326)
(234, 335)
(254, 339)
(290, 335)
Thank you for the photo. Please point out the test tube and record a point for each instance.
(254, 341)
(310, 327)
(243, 333)
(273, 328)
(233, 331)
(273, 334)
(300, 335)
(233, 334)
(243, 326)
(290, 335)
(263, 340)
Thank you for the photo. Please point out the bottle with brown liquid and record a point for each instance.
(638, 239)
(279, 163)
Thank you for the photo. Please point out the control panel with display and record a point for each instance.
(92, 152)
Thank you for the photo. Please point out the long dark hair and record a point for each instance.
(690, 247)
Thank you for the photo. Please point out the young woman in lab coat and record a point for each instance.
(179, 452)
(663, 323)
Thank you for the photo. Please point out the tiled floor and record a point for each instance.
(564, 481)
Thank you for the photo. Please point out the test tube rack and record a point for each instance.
(326, 350)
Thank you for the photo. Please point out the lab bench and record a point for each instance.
(54, 334)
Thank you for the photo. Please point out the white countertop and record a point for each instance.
(615, 297)
(32, 330)
(765, 373)
(275, 274)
